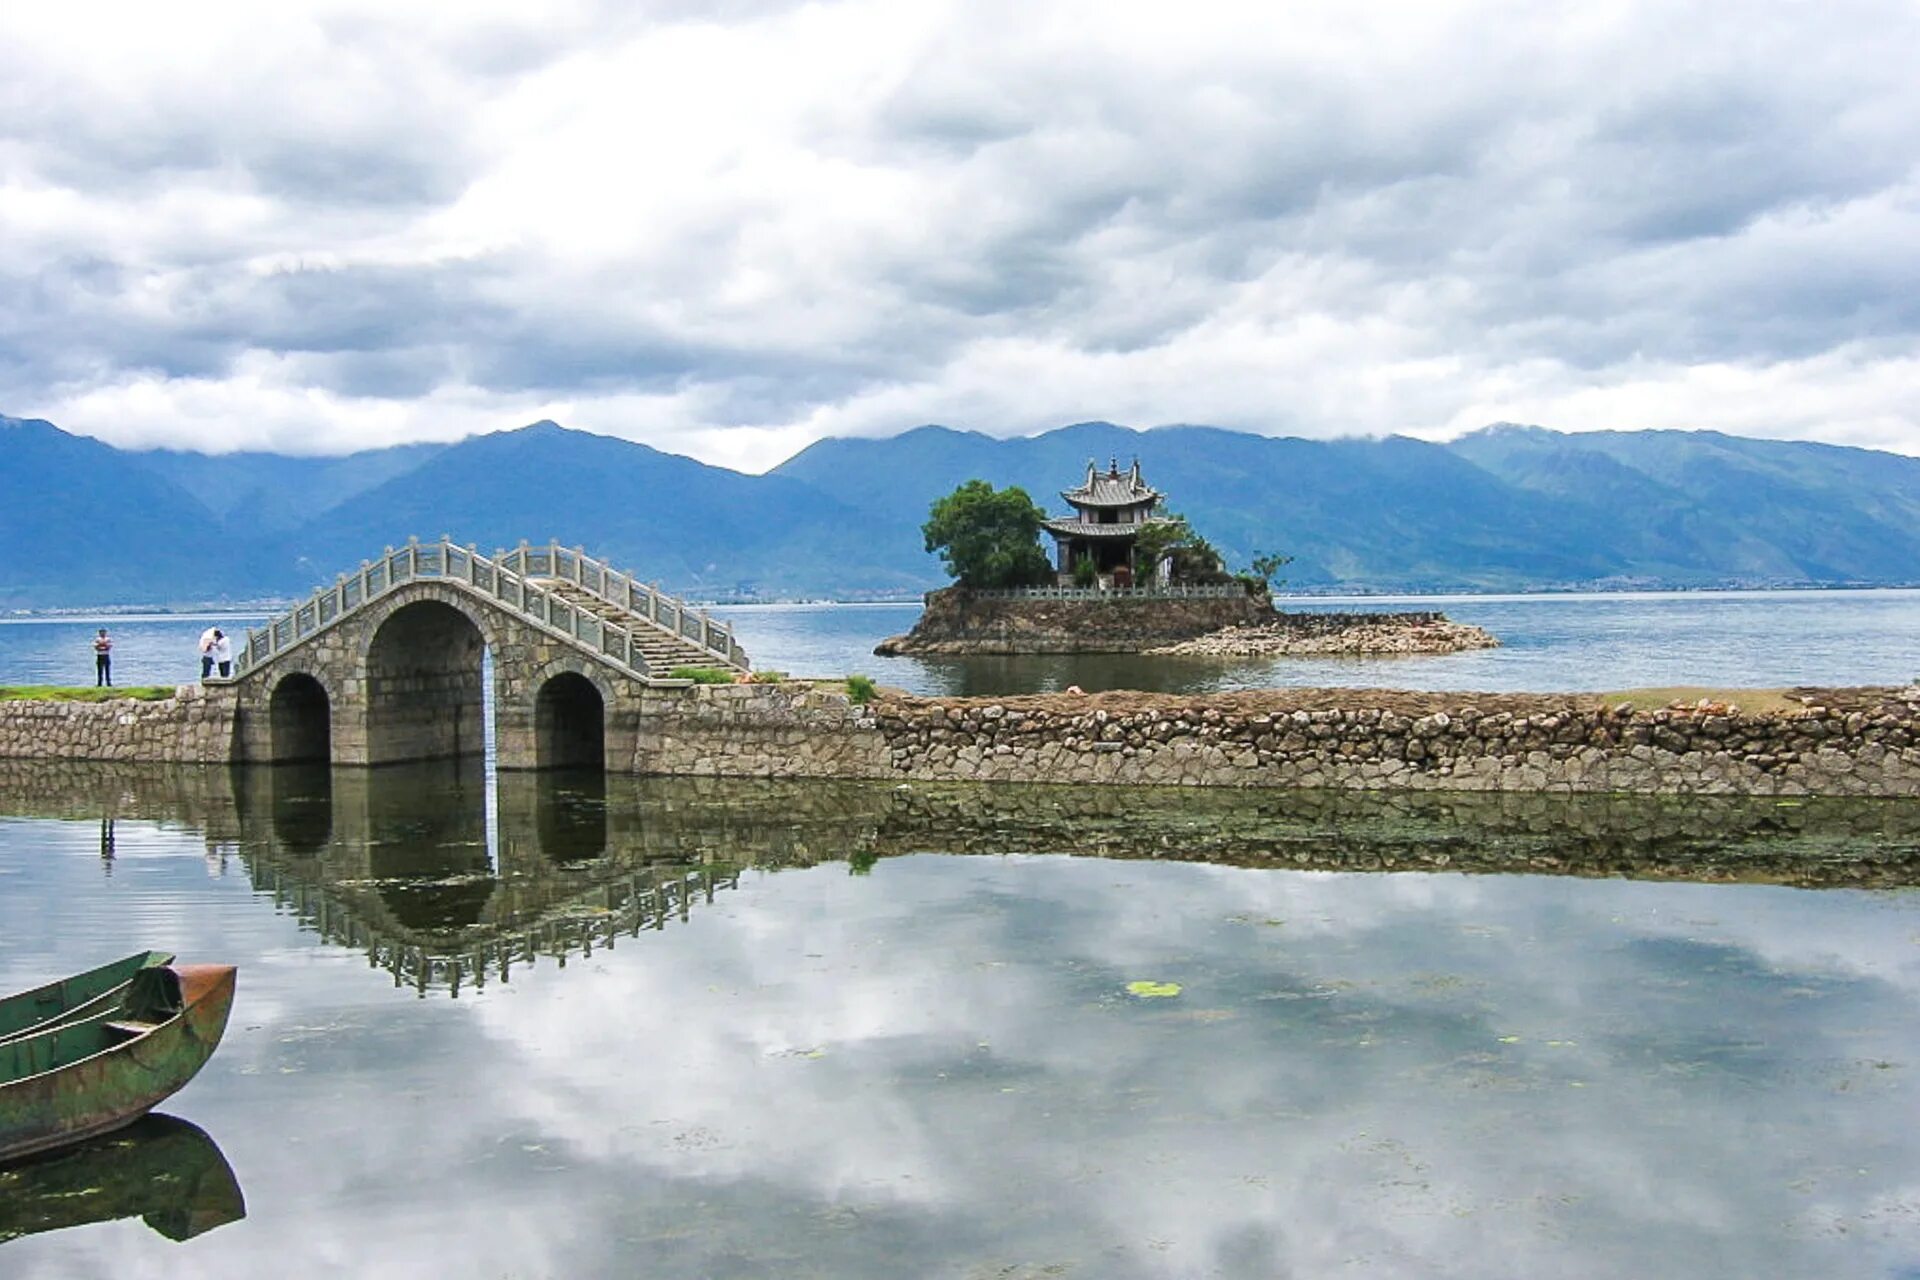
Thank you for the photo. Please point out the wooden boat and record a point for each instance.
(73, 999)
(161, 1169)
(80, 1079)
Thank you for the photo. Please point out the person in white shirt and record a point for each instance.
(207, 638)
(223, 652)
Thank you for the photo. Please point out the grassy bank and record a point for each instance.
(1751, 701)
(83, 693)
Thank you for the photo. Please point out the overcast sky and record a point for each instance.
(730, 228)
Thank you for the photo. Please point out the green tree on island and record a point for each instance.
(989, 537)
(1264, 569)
(1194, 560)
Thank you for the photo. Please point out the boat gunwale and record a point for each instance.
(187, 1006)
(77, 1013)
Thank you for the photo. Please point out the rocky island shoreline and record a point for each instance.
(961, 623)
(1301, 635)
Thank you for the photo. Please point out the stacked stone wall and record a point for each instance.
(1862, 742)
(1851, 742)
(195, 726)
(793, 730)
(1840, 742)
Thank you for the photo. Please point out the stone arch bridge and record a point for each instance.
(390, 663)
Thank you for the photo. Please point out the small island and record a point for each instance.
(1126, 576)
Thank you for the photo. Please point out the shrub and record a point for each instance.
(1085, 574)
(702, 675)
(860, 690)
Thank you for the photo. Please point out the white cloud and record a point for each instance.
(731, 229)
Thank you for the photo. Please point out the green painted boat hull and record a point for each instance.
(73, 999)
(86, 1078)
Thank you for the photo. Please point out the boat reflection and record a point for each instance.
(164, 1171)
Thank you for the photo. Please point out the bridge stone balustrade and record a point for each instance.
(388, 665)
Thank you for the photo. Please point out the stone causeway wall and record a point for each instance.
(195, 726)
(788, 730)
(1837, 742)
(1855, 742)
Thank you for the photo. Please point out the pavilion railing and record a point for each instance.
(1208, 591)
(508, 587)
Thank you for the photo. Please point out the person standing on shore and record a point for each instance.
(102, 659)
(207, 639)
(223, 653)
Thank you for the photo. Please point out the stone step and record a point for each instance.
(662, 649)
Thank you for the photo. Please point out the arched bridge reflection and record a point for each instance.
(409, 866)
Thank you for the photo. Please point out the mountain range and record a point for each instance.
(1505, 508)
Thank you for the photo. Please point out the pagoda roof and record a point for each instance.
(1094, 529)
(1112, 488)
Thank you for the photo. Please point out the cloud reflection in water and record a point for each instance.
(934, 1069)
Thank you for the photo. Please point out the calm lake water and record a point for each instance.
(544, 1026)
(540, 1027)
(1755, 639)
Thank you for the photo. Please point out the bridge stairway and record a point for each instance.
(663, 650)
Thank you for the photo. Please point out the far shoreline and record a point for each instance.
(1300, 599)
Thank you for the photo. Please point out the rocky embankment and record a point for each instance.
(959, 622)
(1293, 635)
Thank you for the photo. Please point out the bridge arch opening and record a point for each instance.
(303, 808)
(302, 721)
(570, 724)
(570, 815)
(426, 686)
(427, 844)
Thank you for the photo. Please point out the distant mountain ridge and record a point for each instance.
(1505, 508)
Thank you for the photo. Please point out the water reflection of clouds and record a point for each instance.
(1377, 1149)
(1691, 1086)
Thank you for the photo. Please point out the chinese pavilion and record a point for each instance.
(1109, 510)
